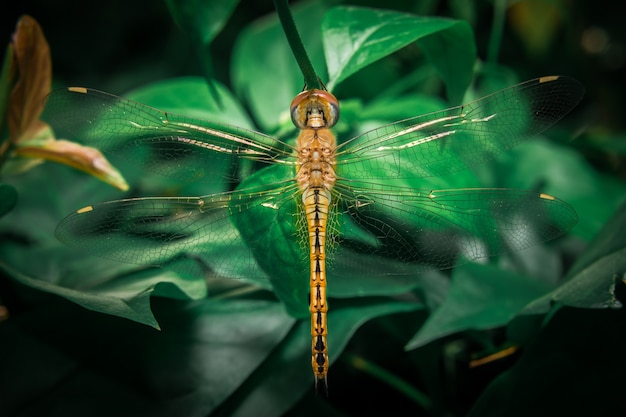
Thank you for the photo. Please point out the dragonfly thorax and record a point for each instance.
(316, 159)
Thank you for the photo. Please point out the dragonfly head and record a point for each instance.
(314, 109)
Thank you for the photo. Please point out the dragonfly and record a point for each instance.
(317, 207)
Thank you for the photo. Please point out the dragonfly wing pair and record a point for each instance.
(370, 215)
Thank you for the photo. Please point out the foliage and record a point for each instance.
(173, 344)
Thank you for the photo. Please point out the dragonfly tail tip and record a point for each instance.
(323, 382)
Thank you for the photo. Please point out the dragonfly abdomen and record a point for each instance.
(316, 202)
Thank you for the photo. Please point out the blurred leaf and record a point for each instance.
(606, 142)
(453, 53)
(203, 20)
(205, 351)
(191, 96)
(264, 71)
(566, 175)
(8, 198)
(391, 109)
(34, 68)
(227, 356)
(537, 23)
(355, 37)
(480, 297)
(591, 281)
(574, 367)
(488, 78)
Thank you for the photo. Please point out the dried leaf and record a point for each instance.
(30, 136)
(34, 71)
(84, 158)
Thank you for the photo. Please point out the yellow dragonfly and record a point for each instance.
(316, 207)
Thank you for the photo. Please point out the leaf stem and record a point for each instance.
(496, 31)
(392, 380)
(311, 79)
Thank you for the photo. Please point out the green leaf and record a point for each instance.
(480, 297)
(8, 198)
(355, 37)
(591, 281)
(191, 96)
(202, 20)
(453, 53)
(106, 288)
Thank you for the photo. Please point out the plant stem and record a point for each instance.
(499, 11)
(392, 380)
(311, 80)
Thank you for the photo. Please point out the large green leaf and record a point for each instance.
(202, 21)
(355, 37)
(591, 281)
(481, 297)
(105, 288)
(271, 230)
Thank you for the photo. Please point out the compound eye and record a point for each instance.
(314, 102)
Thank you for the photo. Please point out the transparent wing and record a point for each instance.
(439, 228)
(460, 137)
(177, 146)
(159, 231)
(247, 233)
